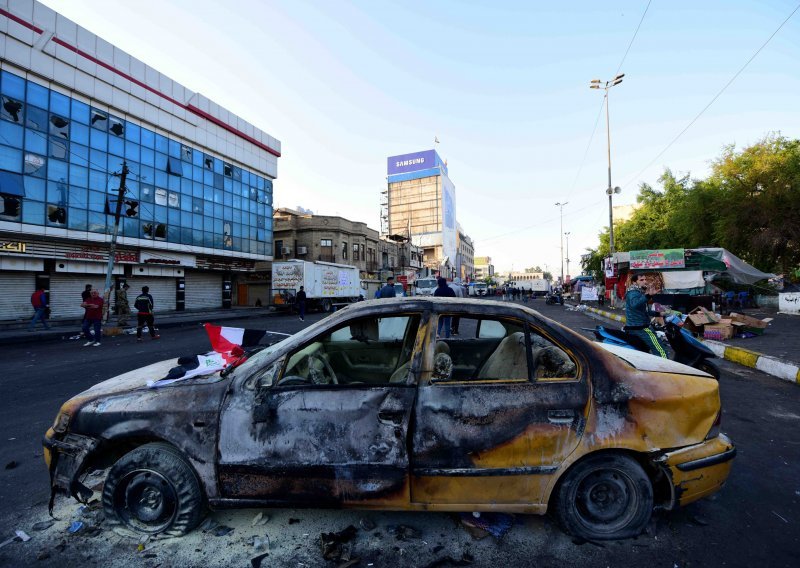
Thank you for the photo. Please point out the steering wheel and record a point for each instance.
(292, 381)
(326, 368)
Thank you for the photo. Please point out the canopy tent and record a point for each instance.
(735, 269)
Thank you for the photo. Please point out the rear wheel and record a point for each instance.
(153, 490)
(326, 306)
(605, 497)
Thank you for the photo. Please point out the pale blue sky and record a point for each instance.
(504, 85)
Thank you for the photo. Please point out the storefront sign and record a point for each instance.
(12, 246)
(657, 259)
(168, 258)
(100, 255)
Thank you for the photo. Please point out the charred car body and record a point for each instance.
(369, 409)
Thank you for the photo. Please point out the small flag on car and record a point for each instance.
(231, 340)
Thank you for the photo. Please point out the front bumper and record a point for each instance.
(66, 459)
(700, 470)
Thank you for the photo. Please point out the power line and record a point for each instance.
(600, 110)
(540, 223)
(742, 68)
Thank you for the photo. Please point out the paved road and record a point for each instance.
(754, 521)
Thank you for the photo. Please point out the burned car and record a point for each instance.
(371, 408)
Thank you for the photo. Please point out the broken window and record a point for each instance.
(59, 126)
(174, 166)
(12, 110)
(186, 153)
(58, 148)
(116, 126)
(161, 196)
(333, 357)
(173, 199)
(56, 215)
(160, 232)
(11, 207)
(99, 120)
(35, 165)
(227, 169)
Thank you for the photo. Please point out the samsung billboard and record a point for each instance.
(413, 162)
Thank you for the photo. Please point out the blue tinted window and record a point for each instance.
(57, 193)
(186, 186)
(77, 219)
(80, 112)
(34, 188)
(79, 133)
(79, 154)
(186, 235)
(208, 178)
(237, 216)
(208, 209)
(162, 144)
(37, 95)
(78, 197)
(131, 152)
(218, 226)
(130, 226)
(35, 142)
(218, 166)
(13, 85)
(98, 119)
(97, 201)
(148, 158)
(57, 170)
(98, 140)
(174, 165)
(79, 176)
(59, 148)
(148, 138)
(173, 234)
(11, 134)
(98, 181)
(116, 145)
(208, 239)
(97, 222)
(33, 212)
(10, 159)
(197, 158)
(174, 149)
(115, 162)
(217, 210)
(161, 178)
(174, 184)
(132, 132)
(132, 186)
(197, 238)
(160, 214)
(186, 218)
(237, 230)
(197, 222)
(98, 159)
(34, 165)
(59, 104)
(174, 217)
(227, 184)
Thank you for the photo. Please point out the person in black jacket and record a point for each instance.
(444, 291)
(301, 303)
(144, 314)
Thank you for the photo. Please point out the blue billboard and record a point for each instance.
(413, 162)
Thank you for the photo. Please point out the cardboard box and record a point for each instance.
(751, 324)
(719, 331)
(701, 316)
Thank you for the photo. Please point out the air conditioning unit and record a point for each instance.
(286, 250)
(302, 250)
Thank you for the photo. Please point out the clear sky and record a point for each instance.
(504, 85)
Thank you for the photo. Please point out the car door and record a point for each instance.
(498, 436)
(320, 442)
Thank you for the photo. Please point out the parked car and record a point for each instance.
(367, 408)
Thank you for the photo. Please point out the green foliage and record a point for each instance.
(750, 204)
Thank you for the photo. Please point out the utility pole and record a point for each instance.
(112, 250)
(561, 231)
(567, 236)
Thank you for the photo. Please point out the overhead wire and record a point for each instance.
(705, 108)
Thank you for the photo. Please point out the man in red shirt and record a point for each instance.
(39, 303)
(93, 316)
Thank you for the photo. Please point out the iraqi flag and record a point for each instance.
(230, 341)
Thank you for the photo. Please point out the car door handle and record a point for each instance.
(560, 416)
(392, 417)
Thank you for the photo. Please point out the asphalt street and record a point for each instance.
(753, 521)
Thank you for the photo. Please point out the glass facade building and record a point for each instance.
(59, 165)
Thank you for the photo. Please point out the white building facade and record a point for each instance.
(197, 213)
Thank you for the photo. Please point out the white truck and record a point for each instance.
(425, 286)
(326, 284)
(539, 286)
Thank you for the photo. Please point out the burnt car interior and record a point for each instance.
(374, 350)
(495, 349)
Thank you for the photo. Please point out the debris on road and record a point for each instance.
(403, 532)
(335, 546)
(75, 526)
(255, 562)
(260, 542)
(43, 525)
(366, 524)
(495, 524)
(12, 464)
(222, 530)
(260, 520)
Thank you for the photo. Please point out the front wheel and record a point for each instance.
(153, 490)
(605, 497)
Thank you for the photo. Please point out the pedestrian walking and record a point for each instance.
(144, 314)
(301, 303)
(87, 293)
(443, 291)
(388, 290)
(123, 307)
(40, 308)
(92, 318)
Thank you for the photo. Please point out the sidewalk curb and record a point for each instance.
(770, 365)
(62, 334)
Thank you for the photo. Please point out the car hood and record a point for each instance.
(652, 363)
(132, 380)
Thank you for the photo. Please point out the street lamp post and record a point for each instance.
(567, 236)
(610, 190)
(561, 209)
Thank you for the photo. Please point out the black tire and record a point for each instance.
(708, 367)
(604, 497)
(153, 490)
(326, 306)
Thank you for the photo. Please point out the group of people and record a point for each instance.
(92, 303)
